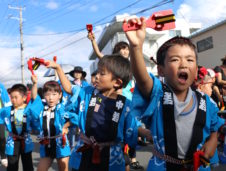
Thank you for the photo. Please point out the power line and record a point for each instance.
(48, 17)
(67, 45)
(9, 73)
(49, 13)
(57, 16)
(96, 22)
(141, 11)
(4, 13)
(84, 28)
(154, 6)
(75, 41)
(58, 41)
(5, 16)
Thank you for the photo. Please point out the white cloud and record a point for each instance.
(52, 5)
(85, 6)
(76, 54)
(93, 8)
(74, 6)
(205, 11)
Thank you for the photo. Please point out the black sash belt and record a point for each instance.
(170, 128)
(94, 159)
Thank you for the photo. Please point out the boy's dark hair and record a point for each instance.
(118, 66)
(119, 46)
(22, 89)
(40, 92)
(51, 86)
(224, 62)
(178, 40)
(94, 73)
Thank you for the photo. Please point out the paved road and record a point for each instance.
(143, 155)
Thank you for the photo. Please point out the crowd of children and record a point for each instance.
(180, 116)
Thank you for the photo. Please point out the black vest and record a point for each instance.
(50, 149)
(170, 129)
(86, 161)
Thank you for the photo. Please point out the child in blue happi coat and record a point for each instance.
(52, 117)
(19, 123)
(181, 120)
(103, 117)
(4, 101)
(78, 75)
(121, 48)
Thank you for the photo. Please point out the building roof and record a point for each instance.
(200, 31)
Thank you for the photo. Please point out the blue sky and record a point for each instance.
(57, 27)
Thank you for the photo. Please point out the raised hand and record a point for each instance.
(52, 64)
(136, 37)
(91, 36)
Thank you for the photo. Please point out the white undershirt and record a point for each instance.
(49, 115)
(184, 123)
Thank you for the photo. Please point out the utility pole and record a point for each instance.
(21, 39)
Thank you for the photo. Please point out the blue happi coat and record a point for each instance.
(60, 117)
(126, 131)
(127, 90)
(4, 99)
(5, 115)
(150, 111)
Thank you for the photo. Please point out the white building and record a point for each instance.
(113, 33)
(211, 44)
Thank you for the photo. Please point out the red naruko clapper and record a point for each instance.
(89, 27)
(162, 20)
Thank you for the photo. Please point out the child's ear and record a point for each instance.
(60, 95)
(25, 98)
(200, 87)
(118, 83)
(160, 71)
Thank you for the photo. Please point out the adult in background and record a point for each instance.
(79, 79)
(79, 76)
(4, 101)
(221, 78)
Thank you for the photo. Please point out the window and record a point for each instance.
(192, 30)
(174, 33)
(205, 44)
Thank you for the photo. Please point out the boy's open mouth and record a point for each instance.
(183, 76)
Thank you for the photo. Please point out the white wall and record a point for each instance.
(212, 57)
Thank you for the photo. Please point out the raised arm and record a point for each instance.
(34, 90)
(96, 49)
(63, 79)
(136, 40)
(220, 81)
